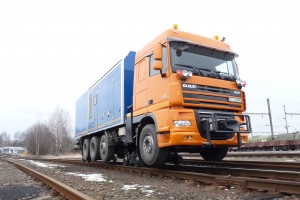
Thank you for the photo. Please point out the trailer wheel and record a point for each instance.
(94, 148)
(86, 150)
(214, 153)
(148, 146)
(106, 152)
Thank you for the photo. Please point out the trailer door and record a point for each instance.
(93, 111)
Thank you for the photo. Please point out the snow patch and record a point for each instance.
(89, 177)
(143, 188)
(39, 164)
(130, 187)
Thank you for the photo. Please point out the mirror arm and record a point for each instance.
(163, 75)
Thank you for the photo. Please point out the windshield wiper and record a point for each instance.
(191, 67)
(228, 74)
(209, 70)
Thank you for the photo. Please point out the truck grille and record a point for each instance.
(210, 97)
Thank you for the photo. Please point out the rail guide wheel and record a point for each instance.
(214, 153)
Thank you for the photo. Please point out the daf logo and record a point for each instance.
(236, 92)
(189, 86)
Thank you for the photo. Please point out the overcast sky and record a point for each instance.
(51, 51)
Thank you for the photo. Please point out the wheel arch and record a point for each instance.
(140, 122)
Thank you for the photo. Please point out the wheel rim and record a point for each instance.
(148, 144)
(84, 148)
(93, 147)
(103, 147)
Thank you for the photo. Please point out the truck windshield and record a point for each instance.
(203, 61)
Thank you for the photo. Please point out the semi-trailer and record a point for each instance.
(180, 93)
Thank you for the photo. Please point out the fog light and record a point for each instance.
(179, 123)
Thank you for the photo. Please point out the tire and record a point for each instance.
(106, 152)
(214, 153)
(86, 150)
(148, 146)
(95, 148)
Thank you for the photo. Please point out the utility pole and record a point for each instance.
(270, 118)
(286, 124)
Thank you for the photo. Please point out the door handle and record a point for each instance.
(150, 102)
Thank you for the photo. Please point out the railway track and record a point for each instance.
(277, 154)
(284, 181)
(265, 154)
(268, 165)
(60, 188)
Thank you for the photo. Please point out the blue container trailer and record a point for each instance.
(105, 104)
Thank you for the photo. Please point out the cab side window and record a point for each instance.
(164, 61)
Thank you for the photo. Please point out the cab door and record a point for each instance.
(141, 85)
(157, 85)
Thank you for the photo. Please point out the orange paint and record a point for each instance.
(163, 96)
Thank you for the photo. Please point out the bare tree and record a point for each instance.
(5, 139)
(1, 140)
(38, 139)
(18, 140)
(60, 127)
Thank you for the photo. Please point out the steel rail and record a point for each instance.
(63, 189)
(284, 166)
(264, 154)
(259, 173)
(284, 186)
(252, 154)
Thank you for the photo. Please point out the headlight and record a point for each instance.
(179, 123)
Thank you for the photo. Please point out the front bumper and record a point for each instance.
(205, 129)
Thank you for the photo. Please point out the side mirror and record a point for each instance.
(158, 52)
(157, 65)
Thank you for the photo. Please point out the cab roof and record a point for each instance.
(176, 35)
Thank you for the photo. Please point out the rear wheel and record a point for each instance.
(148, 146)
(86, 150)
(214, 153)
(106, 152)
(94, 148)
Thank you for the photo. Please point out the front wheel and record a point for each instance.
(214, 153)
(148, 146)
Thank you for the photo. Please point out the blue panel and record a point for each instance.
(109, 96)
(81, 123)
(117, 95)
(107, 112)
(128, 80)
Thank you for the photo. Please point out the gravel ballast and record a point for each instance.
(109, 184)
(15, 184)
